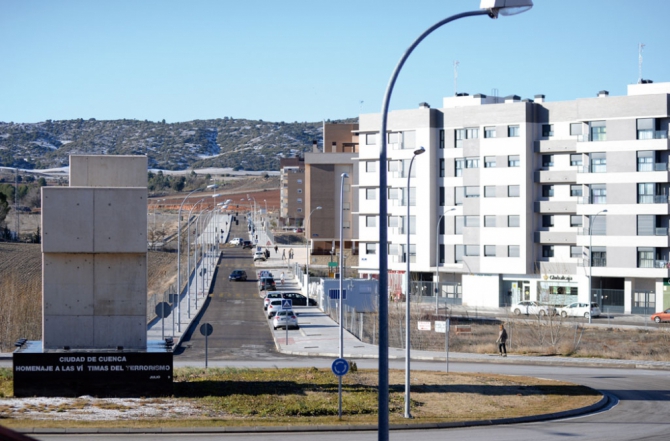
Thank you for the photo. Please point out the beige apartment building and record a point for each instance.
(292, 205)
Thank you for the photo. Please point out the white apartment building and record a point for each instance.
(516, 186)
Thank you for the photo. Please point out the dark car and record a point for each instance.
(238, 275)
(247, 244)
(298, 299)
(267, 284)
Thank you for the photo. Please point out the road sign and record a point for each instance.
(340, 367)
(206, 329)
(332, 264)
(441, 327)
(163, 309)
(423, 326)
(268, 243)
(287, 304)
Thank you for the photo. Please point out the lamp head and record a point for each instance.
(318, 208)
(419, 151)
(213, 186)
(505, 7)
(345, 175)
(216, 195)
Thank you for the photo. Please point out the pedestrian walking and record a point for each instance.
(502, 339)
(290, 254)
(282, 278)
(276, 249)
(283, 255)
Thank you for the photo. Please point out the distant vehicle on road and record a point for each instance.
(267, 284)
(296, 298)
(238, 275)
(661, 316)
(270, 296)
(273, 307)
(259, 256)
(529, 307)
(285, 319)
(297, 230)
(247, 245)
(579, 309)
(236, 241)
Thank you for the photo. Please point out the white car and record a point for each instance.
(285, 319)
(236, 241)
(260, 255)
(580, 309)
(530, 307)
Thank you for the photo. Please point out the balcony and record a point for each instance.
(593, 168)
(649, 263)
(658, 166)
(652, 199)
(652, 134)
(595, 200)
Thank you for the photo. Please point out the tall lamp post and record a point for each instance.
(188, 261)
(491, 8)
(307, 249)
(178, 253)
(339, 387)
(591, 222)
(407, 289)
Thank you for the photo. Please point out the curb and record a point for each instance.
(602, 403)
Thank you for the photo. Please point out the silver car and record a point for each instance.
(529, 307)
(580, 309)
(285, 319)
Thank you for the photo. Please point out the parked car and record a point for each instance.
(259, 256)
(530, 307)
(247, 245)
(661, 316)
(236, 241)
(580, 309)
(285, 319)
(264, 273)
(267, 284)
(238, 275)
(273, 307)
(297, 230)
(269, 297)
(298, 299)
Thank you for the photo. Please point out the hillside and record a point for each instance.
(228, 142)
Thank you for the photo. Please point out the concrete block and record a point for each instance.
(108, 171)
(127, 331)
(67, 284)
(120, 220)
(68, 330)
(67, 220)
(120, 285)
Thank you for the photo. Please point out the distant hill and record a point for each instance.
(228, 142)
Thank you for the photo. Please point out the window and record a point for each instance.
(408, 139)
(370, 139)
(394, 193)
(442, 251)
(299, 210)
(646, 225)
(645, 193)
(547, 191)
(645, 161)
(458, 167)
(394, 138)
(370, 166)
(575, 221)
(489, 221)
(412, 197)
(513, 221)
(645, 128)
(575, 190)
(489, 161)
(442, 167)
(576, 252)
(598, 256)
(370, 248)
(393, 165)
(442, 196)
(441, 138)
(513, 251)
(465, 221)
(547, 220)
(394, 222)
(489, 191)
(370, 194)
(489, 132)
(459, 252)
(513, 131)
(645, 257)
(412, 224)
(346, 225)
(472, 133)
(472, 192)
(346, 206)
(547, 251)
(300, 200)
(513, 191)
(441, 228)
(575, 129)
(547, 130)
(598, 131)
(405, 168)
(460, 135)
(576, 159)
(598, 162)
(299, 181)
(513, 161)
(547, 160)
(489, 250)
(598, 194)
(370, 221)
(472, 250)
(471, 162)
(598, 225)
(300, 191)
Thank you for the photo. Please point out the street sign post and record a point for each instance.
(287, 304)
(340, 368)
(206, 329)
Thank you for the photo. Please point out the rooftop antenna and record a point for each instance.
(456, 63)
(640, 48)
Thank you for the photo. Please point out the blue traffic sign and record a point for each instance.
(287, 304)
(340, 367)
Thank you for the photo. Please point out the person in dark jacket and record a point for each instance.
(502, 339)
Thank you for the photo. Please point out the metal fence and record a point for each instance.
(168, 295)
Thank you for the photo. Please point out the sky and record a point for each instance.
(296, 60)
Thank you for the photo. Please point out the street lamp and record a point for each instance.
(178, 254)
(437, 259)
(307, 248)
(491, 8)
(417, 152)
(591, 255)
(188, 261)
(339, 387)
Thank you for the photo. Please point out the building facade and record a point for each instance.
(525, 199)
(292, 191)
